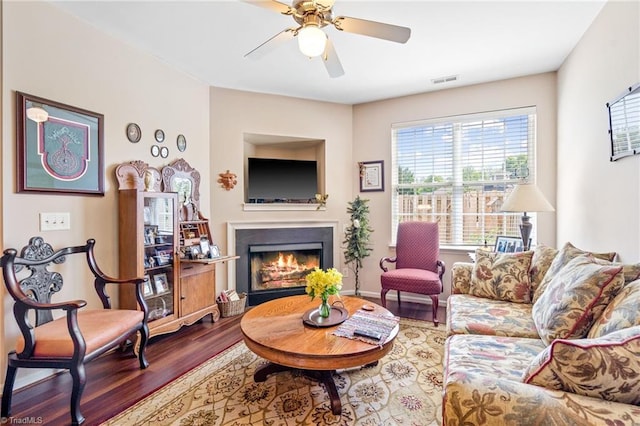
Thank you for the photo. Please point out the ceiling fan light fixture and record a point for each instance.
(311, 41)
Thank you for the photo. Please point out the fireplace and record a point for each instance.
(274, 261)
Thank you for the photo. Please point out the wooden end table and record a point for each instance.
(274, 331)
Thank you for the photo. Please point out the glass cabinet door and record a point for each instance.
(159, 256)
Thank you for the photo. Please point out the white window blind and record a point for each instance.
(624, 124)
(458, 170)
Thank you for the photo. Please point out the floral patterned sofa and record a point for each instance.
(544, 337)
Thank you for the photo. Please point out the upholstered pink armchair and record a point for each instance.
(417, 267)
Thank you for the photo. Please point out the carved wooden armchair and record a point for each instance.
(417, 267)
(71, 340)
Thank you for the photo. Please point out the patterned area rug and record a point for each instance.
(404, 388)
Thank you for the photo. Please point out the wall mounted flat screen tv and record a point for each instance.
(624, 123)
(273, 180)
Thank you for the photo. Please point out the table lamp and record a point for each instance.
(526, 197)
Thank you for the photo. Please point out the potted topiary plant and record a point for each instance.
(357, 236)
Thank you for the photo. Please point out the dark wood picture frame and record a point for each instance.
(60, 153)
(371, 176)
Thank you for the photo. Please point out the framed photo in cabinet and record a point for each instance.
(147, 290)
(163, 257)
(161, 283)
(205, 246)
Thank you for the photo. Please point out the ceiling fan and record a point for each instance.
(312, 16)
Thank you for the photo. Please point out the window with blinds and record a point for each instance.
(624, 124)
(458, 170)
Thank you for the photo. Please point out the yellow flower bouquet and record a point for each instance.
(323, 284)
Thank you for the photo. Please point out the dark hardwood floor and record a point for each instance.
(114, 381)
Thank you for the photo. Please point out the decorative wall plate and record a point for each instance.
(155, 150)
(164, 152)
(159, 135)
(182, 143)
(134, 134)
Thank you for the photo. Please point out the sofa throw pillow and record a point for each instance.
(461, 277)
(622, 312)
(564, 256)
(575, 298)
(542, 258)
(502, 276)
(607, 367)
(631, 272)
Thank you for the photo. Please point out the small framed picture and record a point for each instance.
(215, 251)
(159, 135)
(147, 290)
(205, 247)
(506, 244)
(161, 283)
(182, 143)
(371, 176)
(163, 257)
(194, 252)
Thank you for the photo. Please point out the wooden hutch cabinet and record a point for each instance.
(162, 236)
(148, 246)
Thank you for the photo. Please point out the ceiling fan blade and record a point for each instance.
(331, 61)
(372, 29)
(272, 44)
(274, 5)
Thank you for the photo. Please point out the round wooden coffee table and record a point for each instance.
(275, 331)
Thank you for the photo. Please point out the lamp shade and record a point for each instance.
(526, 197)
(311, 41)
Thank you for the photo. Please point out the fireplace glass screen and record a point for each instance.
(282, 266)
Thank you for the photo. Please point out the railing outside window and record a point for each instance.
(457, 171)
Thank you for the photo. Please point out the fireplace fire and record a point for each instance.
(282, 266)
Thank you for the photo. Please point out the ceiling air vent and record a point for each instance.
(444, 79)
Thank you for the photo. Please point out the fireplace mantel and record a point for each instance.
(233, 227)
(252, 207)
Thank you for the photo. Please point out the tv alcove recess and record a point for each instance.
(283, 172)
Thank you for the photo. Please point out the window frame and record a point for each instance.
(457, 184)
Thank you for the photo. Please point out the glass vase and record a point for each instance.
(325, 309)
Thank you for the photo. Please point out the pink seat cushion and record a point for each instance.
(412, 280)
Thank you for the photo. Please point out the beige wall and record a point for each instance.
(234, 113)
(598, 200)
(79, 66)
(372, 136)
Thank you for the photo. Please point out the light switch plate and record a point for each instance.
(55, 221)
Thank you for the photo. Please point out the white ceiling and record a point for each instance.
(479, 41)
